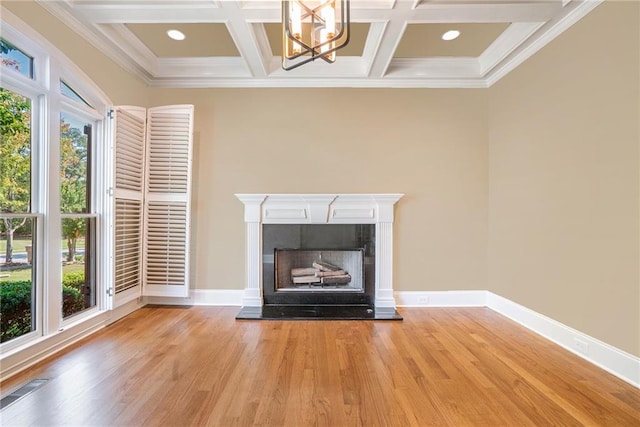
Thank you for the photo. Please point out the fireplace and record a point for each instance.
(319, 255)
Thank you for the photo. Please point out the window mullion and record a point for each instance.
(53, 229)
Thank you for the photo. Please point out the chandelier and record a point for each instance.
(313, 30)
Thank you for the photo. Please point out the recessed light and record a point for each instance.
(176, 35)
(451, 35)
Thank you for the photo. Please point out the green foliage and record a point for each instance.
(15, 167)
(15, 304)
(73, 169)
(72, 301)
(72, 297)
(5, 47)
(73, 183)
(74, 279)
(15, 151)
(15, 309)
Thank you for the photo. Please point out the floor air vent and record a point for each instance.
(18, 394)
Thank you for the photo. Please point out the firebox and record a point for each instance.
(317, 264)
(319, 270)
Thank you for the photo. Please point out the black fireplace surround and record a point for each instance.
(313, 241)
(288, 247)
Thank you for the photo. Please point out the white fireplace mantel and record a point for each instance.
(320, 209)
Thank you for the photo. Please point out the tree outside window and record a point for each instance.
(77, 223)
(16, 226)
(73, 183)
(15, 164)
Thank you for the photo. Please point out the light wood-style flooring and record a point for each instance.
(164, 366)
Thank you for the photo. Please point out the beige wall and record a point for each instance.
(563, 179)
(429, 144)
(121, 87)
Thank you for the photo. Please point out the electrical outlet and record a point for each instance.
(581, 346)
(424, 300)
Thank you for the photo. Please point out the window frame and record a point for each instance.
(74, 109)
(19, 84)
(50, 67)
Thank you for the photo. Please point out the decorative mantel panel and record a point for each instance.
(320, 209)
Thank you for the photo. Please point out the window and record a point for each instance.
(17, 224)
(15, 59)
(67, 91)
(78, 223)
(53, 190)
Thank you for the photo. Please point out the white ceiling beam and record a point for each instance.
(287, 82)
(372, 44)
(434, 68)
(485, 12)
(135, 49)
(347, 67)
(395, 23)
(225, 67)
(246, 40)
(152, 16)
(208, 11)
(516, 34)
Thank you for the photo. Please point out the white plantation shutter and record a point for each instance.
(167, 201)
(166, 240)
(128, 245)
(151, 201)
(169, 148)
(129, 137)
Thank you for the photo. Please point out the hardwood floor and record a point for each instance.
(164, 366)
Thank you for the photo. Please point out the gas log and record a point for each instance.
(320, 272)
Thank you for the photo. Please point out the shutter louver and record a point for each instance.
(167, 199)
(130, 128)
(129, 152)
(128, 244)
(169, 135)
(166, 239)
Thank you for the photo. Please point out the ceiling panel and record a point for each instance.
(202, 40)
(425, 40)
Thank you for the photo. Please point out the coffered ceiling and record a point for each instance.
(394, 43)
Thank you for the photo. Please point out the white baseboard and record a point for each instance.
(214, 297)
(613, 360)
(440, 298)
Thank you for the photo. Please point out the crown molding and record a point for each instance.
(551, 30)
(120, 58)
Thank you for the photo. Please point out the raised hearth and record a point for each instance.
(317, 312)
(326, 256)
